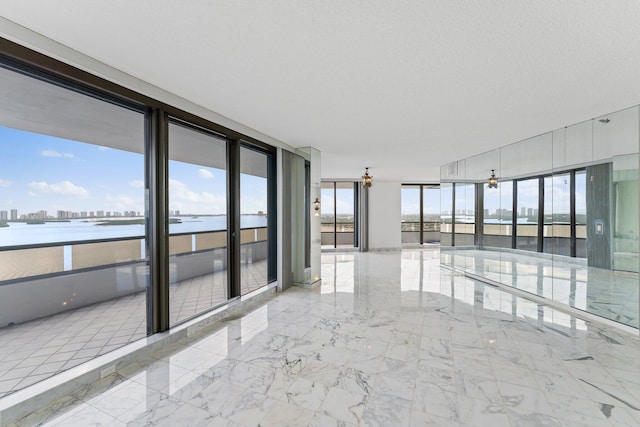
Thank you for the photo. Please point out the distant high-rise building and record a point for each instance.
(530, 212)
(4, 215)
(523, 211)
(177, 213)
(108, 213)
(83, 214)
(14, 214)
(100, 214)
(42, 215)
(92, 214)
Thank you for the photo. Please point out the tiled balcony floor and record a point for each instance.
(387, 339)
(33, 351)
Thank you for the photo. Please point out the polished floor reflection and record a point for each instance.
(387, 339)
(610, 294)
(33, 351)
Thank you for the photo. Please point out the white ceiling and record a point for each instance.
(400, 86)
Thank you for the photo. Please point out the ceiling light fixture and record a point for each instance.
(367, 180)
(493, 180)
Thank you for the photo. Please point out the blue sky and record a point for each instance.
(40, 172)
(411, 201)
(344, 201)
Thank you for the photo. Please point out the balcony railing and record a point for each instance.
(39, 280)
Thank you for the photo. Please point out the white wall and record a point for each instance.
(384, 215)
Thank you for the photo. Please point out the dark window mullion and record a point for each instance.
(356, 212)
(453, 214)
(335, 216)
(233, 218)
(514, 214)
(420, 222)
(572, 212)
(157, 221)
(272, 217)
(540, 214)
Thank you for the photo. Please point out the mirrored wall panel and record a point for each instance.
(555, 215)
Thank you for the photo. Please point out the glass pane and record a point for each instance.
(581, 214)
(506, 212)
(410, 213)
(253, 220)
(492, 215)
(561, 217)
(72, 227)
(197, 222)
(431, 214)
(464, 238)
(327, 215)
(465, 207)
(446, 214)
(547, 231)
(345, 220)
(527, 222)
(626, 213)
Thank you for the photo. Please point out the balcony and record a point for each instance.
(65, 303)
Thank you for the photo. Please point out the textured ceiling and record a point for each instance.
(399, 86)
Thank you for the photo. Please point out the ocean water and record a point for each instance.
(20, 233)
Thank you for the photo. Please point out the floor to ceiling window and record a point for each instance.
(464, 217)
(527, 214)
(420, 213)
(254, 212)
(410, 213)
(338, 210)
(115, 216)
(72, 228)
(197, 221)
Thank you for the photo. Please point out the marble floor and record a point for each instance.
(39, 349)
(611, 294)
(387, 339)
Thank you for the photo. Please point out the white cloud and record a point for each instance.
(50, 153)
(32, 194)
(205, 174)
(182, 198)
(63, 188)
(136, 183)
(123, 202)
(54, 153)
(5, 183)
(103, 148)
